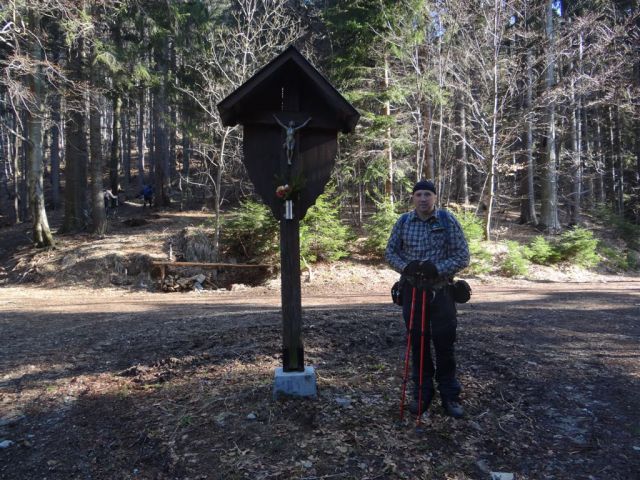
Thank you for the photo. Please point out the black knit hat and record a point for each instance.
(424, 185)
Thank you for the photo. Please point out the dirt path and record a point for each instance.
(103, 384)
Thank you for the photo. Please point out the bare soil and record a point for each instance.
(99, 381)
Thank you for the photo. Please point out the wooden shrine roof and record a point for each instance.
(239, 105)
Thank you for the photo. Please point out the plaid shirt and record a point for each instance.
(415, 239)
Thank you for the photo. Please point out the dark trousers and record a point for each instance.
(439, 338)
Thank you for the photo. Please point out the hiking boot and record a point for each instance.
(453, 409)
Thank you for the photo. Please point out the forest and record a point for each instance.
(519, 105)
(524, 113)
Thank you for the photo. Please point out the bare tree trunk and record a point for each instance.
(493, 160)
(429, 167)
(17, 173)
(615, 182)
(24, 174)
(151, 138)
(619, 155)
(98, 217)
(217, 187)
(114, 162)
(361, 205)
(549, 210)
(186, 153)
(125, 146)
(41, 233)
(56, 120)
(388, 188)
(576, 160)
(76, 148)
(576, 140)
(141, 139)
(4, 163)
(161, 143)
(601, 198)
(173, 115)
(533, 217)
(463, 182)
(636, 121)
(56, 125)
(588, 171)
(439, 173)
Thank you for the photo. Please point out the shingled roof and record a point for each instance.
(241, 103)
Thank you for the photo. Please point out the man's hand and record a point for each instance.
(412, 268)
(428, 270)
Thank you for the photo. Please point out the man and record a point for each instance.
(428, 247)
(110, 202)
(147, 195)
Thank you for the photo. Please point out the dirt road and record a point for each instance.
(103, 384)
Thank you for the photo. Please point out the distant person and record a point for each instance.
(147, 195)
(110, 202)
(427, 246)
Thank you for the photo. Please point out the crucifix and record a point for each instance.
(290, 141)
(273, 107)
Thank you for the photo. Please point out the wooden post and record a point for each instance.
(292, 348)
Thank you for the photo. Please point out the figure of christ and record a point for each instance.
(290, 140)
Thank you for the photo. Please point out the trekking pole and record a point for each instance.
(424, 317)
(406, 355)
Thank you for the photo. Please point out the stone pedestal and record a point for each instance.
(295, 384)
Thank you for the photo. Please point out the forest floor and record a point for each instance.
(102, 377)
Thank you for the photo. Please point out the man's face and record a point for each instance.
(424, 201)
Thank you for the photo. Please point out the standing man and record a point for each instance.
(427, 246)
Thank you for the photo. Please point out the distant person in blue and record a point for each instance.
(427, 246)
(147, 195)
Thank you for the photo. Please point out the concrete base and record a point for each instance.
(296, 384)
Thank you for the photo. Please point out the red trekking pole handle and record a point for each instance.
(406, 355)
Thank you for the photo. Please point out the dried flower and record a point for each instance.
(283, 191)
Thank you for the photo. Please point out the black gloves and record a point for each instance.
(426, 269)
(412, 268)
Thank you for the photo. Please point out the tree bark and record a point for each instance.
(41, 233)
(429, 165)
(493, 160)
(76, 147)
(636, 124)
(549, 210)
(125, 147)
(576, 159)
(114, 161)
(98, 216)
(161, 142)
(140, 143)
(463, 181)
(601, 197)
(388, 188)
(576, 140)
(531, 215)
(18, 178)
(620, 156)
(56, 124)
(613, 161)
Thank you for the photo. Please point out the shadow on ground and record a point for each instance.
(183, 390)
